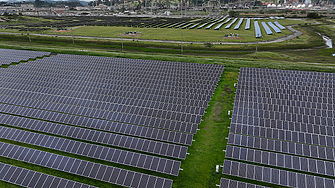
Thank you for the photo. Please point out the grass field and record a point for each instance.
(206, 150)
(192, 35)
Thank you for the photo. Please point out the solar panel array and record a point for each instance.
(224, 183)
(282, 128)
(29, 178)
(9, 56)
(136, 113)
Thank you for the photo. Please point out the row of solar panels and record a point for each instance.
(132, 106)
(202, 75)
(302, 82)
(224, 183)
(105, 88)
(28, 178)
(282, 146)
(288, 135)
(289, 113)
(287, 73)
(159, 102)
(158, 164)
(82, 168)
(98, 124)
(114, 116)
(166, 96)
(275, 176)
(291, 121)
(281, 160)
(312, 102)
(116, 140)
(9, 56)
(283, 88)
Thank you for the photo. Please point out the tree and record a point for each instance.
(233, 13)
(313, 15)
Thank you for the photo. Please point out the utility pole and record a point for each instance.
(256, 50)
(152, 4)
(181, 8)
(185, 7)
(122, 40)
(181, 50)
(72, 37)
(29, 35)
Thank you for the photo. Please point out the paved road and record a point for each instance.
(294, 34)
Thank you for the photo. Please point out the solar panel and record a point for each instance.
(127, 129)
(279, 177)
(29, 178)
(76, 166)
(281, 160)
(9, 56)
(93, 151)
(138, 144)
(234, 183)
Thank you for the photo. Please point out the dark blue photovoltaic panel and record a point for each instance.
(24, 177)
(77, 166)
(224, 183)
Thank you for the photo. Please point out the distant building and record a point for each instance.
(26, 7)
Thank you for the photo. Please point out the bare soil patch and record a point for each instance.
(233, 38)
(61, 31)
